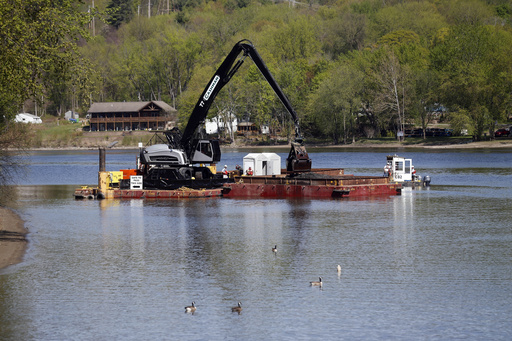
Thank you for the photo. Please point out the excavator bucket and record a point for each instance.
(298, 160)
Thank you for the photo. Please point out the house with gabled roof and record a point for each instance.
(119, 116)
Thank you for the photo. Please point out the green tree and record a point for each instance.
(425, 97)
(466, 60)
(38, 42)
(173, 58)
(336, 102)
(391, 84)
(119, 11)
(258, 97)
(420, 17)
(342, 32)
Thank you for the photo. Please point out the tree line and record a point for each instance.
(350, 68)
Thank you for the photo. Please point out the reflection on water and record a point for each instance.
(431, 263)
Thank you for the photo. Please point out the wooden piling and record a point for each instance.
(102, 159)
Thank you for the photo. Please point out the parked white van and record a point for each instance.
(27, 118)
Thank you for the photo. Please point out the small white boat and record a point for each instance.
(401, 170)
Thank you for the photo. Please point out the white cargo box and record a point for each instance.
(263, 163)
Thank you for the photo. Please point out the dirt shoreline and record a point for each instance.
(13, 241)
(505, 143)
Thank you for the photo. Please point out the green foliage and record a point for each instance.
(460, 121)
(335, 102)
(343, 31)
(38, 45)
(420, 17)
(471, 61)
(386, 63)
(119, 12)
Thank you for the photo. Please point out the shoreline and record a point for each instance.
(498, 144)
(13, 241)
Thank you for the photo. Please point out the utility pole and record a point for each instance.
(149, 8)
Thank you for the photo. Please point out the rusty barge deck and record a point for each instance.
(342, 186)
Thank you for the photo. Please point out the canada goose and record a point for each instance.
(317, 283)
(274, 249)
(191, 308)
(238, 308)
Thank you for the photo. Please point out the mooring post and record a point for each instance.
(102, 176)
(102, 159)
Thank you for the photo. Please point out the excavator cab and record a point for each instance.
(206, 151)
(298, 159)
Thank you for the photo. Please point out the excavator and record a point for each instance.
(178, 161)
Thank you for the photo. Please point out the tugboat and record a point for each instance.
(401, 171)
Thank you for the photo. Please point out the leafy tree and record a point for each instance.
(392, 93)
(174, 61)
(420, 17)
(460, 121)
(344, 32)
(425, 98)
(470, 78)
(296, 40)
(466, 12)
(336, 102)
(119, 11)
(38, 42)
(258, 97)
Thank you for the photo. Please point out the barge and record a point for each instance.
(321, 183)
(261, 177)
(346, 186)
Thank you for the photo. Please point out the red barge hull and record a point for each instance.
(320, 183)
(344, 186)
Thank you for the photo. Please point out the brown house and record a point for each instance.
(113, 116)
(247, 128)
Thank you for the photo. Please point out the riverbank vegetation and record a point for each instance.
(352, 69)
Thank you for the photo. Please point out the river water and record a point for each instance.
(431, 264)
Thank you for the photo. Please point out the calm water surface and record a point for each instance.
(432, 264)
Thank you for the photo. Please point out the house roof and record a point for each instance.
(106, 107)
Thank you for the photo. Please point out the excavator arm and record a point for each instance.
(298, 159)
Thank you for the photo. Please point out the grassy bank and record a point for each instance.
(54, 134)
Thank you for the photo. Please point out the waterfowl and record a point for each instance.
(339, 269)
(238, 308)
(274, 249)
(191, 308)
(317, 283)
